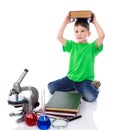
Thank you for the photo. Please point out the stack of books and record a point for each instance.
(63, 104)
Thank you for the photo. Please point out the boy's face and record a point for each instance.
(81, 33)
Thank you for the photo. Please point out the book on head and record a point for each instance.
(81, 14)
(64, 101)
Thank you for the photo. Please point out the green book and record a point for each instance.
(64, 101)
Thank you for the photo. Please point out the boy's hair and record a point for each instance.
(83, 22)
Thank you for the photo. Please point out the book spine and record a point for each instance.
(60, 113)
(80, 14)
(57, 116)
(61, 109)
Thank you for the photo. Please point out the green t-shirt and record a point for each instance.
(82, 59)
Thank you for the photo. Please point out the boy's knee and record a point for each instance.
(90, 98)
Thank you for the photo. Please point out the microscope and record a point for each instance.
(17, 100)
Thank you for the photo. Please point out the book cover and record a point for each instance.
(80, 14)
(64, 101)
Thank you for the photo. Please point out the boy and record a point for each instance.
(80, 75)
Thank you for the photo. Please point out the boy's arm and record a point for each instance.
(60, 34)
(99, 30)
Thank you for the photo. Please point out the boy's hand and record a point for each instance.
(94, 18)
(67, 19)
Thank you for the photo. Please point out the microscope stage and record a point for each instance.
(16, 101)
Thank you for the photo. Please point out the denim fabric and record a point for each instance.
(88, 91)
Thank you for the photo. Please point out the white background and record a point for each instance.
(28, 30)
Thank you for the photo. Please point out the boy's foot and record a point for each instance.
(96, 83)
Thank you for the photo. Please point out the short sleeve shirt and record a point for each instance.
(82, 59)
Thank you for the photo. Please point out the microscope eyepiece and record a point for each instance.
(26, 70)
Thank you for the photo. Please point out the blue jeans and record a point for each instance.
(88, 91)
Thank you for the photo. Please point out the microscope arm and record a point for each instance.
(34, 95)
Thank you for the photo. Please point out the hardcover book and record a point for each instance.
(80, 14)
(57, 113)
(64, 101)
(54, 116)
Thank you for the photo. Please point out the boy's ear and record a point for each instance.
(89, 33)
